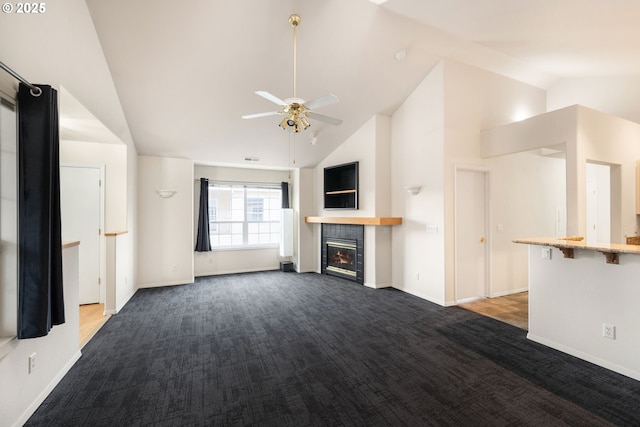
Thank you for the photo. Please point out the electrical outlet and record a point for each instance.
(417, 276)
(609, 331)
(32, 362)
(175, 267)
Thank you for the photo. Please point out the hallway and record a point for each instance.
(92, 318)
(512, 309)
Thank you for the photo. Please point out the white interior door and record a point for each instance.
(598, 203)
(471, 234)
(80, 203)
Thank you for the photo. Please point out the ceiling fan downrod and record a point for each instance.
(294, 20)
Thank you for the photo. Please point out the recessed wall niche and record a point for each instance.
(341, 186)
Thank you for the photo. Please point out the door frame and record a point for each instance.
(486, 174)
(102, 241)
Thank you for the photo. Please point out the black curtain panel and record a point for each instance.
(203, 242)
(285, 195)
(40, 287)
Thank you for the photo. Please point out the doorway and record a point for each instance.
(81, 204)
(471, 233)
(598, 217)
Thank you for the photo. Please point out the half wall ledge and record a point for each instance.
(353, 220)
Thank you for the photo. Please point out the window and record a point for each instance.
(255, 208)
(213, 213)
(244, 215)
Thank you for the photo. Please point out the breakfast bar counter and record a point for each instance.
(567, 245)
(583, 306)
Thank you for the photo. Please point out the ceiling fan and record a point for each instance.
(295, 110)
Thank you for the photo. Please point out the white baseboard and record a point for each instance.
(631, 373)
(466, 300)
(31, 409)
(378, 285)
(247, 270)
(163, 284)
(126, 300)
(415, 294)
(509, 292)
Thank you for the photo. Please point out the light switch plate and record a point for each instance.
(432, 229)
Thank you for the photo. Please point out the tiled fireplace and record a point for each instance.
(343, 251)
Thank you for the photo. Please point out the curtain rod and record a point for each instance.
(257, 184)
(35, 90)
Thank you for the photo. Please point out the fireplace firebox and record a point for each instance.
(342, 256)
(343, 251)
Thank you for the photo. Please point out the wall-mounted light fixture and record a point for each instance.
(165, 194)
(413, 189)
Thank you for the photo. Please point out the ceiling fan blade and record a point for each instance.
(323, 118)
(272, 98)
(255, 116)
(322, 101)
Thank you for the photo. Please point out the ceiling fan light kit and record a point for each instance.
(295, 110)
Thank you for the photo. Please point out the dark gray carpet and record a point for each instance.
(287, 349)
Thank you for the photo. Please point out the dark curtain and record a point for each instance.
(40, 288)
(203, 243)
(285, 195)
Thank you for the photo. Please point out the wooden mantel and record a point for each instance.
(353, 220)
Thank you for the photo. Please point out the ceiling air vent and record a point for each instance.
(251, 159)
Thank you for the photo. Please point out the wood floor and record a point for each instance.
(512, 309)
(91, 319)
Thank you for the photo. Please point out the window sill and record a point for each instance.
(6, 345)
(244, 248)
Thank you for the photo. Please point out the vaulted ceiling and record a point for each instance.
(186, 72)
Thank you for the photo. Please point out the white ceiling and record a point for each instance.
(186, 71)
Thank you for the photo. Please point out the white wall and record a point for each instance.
(165, 226)
(417, 158)
(370, 146)
(127, 247)
(120, 286)
(241, 260)
(360, 147)
(617, 95)
(114, 158)
(120, 162)
(528, 198)
(60, 48)
(380, 273)
(586, 136)
(436, 129)
(475, 100)
(570, 299)
(22, 392)
(306, 252)
(607, 139)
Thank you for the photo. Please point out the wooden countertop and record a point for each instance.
(356, 220)
(581, 244)
(70, 244)
(567, 246)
